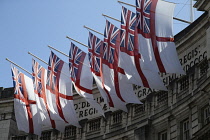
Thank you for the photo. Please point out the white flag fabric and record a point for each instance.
(114, 76)
(94, 54)
(25, 103)
(59, 91)
(155, 36)
(39, 76)
(81, 75)
(130, 58)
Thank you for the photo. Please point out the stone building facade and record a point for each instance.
(181, 113)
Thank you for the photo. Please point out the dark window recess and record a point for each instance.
(139, 109)
(203, 67)
(162, 97)
(162, 135)
(117, 117)
(184, 83)
(19, 138)
(3, 116)
(70, 131)
(186, 130)
(94, 125)
(206, 115)
(46, 135)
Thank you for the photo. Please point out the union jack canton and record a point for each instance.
(53, 74)
(94, 53)
(37, 72)
(128, 25)
(111, 45)
(76, 59)
(17, 82)
(143, 15)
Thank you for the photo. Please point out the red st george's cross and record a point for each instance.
(55, 65)
(129, 40)
(38, 73)
(111, 53)
(20, 93)
(94, 54)
(146, 27)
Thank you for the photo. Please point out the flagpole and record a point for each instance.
(120, 21)
(58, 50)
(126, 4)
(77, 41)
(37, 58)
(18, 66)
(45, 62)
(173, 17)
(93, 30)
(63, 53)
(111, 17)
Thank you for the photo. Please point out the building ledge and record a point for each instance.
(201, 132)
(189, 28)
(202, 5)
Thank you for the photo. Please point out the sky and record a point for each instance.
(30, 26)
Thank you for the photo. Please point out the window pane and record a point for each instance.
(186, 131)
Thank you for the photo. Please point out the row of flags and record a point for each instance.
(134, 54)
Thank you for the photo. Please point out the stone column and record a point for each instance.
(83, 130)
